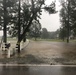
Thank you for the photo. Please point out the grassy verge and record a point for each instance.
(28, 59)
(52, 40)
(11, 39)
(39, 39)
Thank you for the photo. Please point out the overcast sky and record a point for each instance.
(51, 22)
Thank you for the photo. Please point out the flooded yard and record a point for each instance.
(52, 52)
(45, 52)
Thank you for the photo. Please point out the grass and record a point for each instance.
(52, 40)
(10, 39)
(39, 39)
(73, 40)
(13, 39)
(28, 59)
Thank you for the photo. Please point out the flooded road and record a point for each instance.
(37, 70)
(52, 52)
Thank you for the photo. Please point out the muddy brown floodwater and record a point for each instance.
(52, 52)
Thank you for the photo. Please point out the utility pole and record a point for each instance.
(68, 25)
(5, 24)
(19, 30)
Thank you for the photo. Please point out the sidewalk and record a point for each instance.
(12, 50)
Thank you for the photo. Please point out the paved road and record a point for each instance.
(37, 70)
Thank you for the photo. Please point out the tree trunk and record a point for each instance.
(68, 25)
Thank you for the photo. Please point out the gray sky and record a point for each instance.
(51, 22)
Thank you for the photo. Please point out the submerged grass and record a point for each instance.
(54, 40)
(28, 59)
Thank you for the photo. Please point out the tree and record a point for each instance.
(72, 16)
(68, 19)
(65, 16)
(35, 29)
(6, 10)
(62, 34)
(45, 33)
(36, 9)
(33, 10)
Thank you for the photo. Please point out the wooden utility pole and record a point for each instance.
(19, 30)
(5, 24)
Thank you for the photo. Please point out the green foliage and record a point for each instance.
(73, 16)
(9, 5)
(63, 34)
(51, 8)
(30, 10)
(68, 18)
(35, 29)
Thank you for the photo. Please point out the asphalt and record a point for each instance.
(37, 70)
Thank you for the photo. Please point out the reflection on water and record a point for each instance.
(16, 70)
(37, 70)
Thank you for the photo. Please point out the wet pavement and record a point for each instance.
(38, 70)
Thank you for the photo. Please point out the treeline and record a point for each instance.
(68, 19)
(43, 33)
